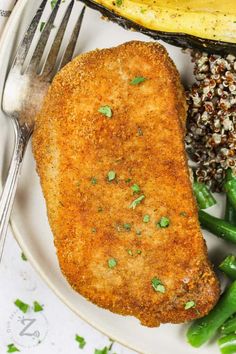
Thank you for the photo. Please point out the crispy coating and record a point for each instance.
(75, 147)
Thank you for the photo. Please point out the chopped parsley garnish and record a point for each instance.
(158, 286)
(143, 11)
(111, 176)
(136, 202)
(138, 251)
(138, 232)
(112, 263)
(23, 256)
(111, 344)
(130, 252)
(21, 305)
(189, 305)
(53, 3)
(94, 181)
(127, 226)
(37, 307)
(119, 2)
(42, 24)
(94, 229)
(105, 350)
(11, 348)
(135, 188)
(128, 180)
(146, 218)
(183, 213)
(81, 341)
(137, 80)
(106, 111)
(100, 209)
(163, 222)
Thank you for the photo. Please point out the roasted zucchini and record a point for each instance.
(205, 24)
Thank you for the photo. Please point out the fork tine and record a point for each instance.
(69, 51)
(25, 44)
(36, 58)
(50, 58)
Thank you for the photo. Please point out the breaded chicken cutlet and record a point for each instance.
(110, 155)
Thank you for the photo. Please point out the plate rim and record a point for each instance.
(10, 27)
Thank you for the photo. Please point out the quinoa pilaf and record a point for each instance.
(211, 136)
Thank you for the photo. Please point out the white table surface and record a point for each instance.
(56, 323)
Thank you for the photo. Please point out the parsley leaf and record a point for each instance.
(146, 218)
(127, 226)
(136, 202)
(42, 25)
(81, 341)
(157, 285)
(119, 2)
(105, 350)
(189, 305)
(137, 80)
(143, 11)
(163, 222)
(111, 176)
(21, 305)
(106, 111)
(135, 188)
(53, 3)
(37, 307)
(130, 252)
(23, 256)
(11, 348)
(112, 263)
(94, 181)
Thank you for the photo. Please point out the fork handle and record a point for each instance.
(9, 190)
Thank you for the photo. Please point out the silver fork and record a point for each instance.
(25, 87)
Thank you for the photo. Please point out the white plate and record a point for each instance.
(29, 220)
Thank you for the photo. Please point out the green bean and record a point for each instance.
(230, 213)
(204, 328)
(228, 266)
(229, 326)
(230, 188)
(227, 344)
(204, 197)
(217, 226)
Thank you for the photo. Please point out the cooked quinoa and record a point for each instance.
(211, 124)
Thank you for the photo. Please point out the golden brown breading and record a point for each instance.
(75, 147)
